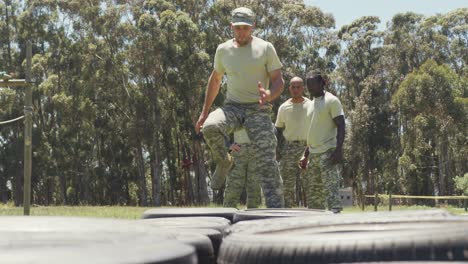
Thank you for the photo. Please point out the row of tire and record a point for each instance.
(206, 235)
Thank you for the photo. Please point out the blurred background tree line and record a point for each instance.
(119, 84)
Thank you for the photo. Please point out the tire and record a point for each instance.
(88, 240)
(409, 262)
(271, 225)
(217, 223)
(214, 235)
(254, 214)
(213, 227)
(49, 247)
(74, 224)
(201, 243)
(227, 213)
(403, 236)
(356, 243)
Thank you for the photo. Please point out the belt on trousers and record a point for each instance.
(296, 142)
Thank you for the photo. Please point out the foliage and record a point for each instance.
(461, 183)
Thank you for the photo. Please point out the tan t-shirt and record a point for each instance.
(245, 67)
(294, 119)
(241, 137)
(322, 131)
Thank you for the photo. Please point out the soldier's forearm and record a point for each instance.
(340, 135)
(277, 85)
(276, 89)
(212, 91)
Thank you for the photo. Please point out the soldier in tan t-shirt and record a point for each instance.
(290, 124)
(250, 64)
(325, 143)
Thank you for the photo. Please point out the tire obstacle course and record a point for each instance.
(201, 235)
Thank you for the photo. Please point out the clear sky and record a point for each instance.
(346, 11)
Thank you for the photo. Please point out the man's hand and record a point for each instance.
(264, 94)
(200, 122)
(303, 162)
(337, 156)
(235, 147)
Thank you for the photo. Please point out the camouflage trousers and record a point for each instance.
(291, 153)
(322, 181)
(243, 176)
(257, 122)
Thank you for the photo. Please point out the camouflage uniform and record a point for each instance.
(289, 169)
(243, 176)
(256, 120)
(321, 172)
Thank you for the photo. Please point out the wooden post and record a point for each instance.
(27, 133)
(465, 203)
(390, 201)
(376, 201)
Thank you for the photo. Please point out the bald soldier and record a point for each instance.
(292, 131)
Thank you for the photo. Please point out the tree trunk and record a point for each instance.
(443, 163)
(84, 186)
(142, 190)
(172, 170)
(17, 171)
(3, 183)
(186, 160)
(18, 186)
(156, 175)
(3, 191)
(7, 33)
(49, 191)
(63, 186)
(201, 189)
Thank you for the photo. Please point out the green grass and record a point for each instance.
(370, 208)
(89, 211)
(130, 212)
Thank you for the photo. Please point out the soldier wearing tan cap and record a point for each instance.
(254, 79)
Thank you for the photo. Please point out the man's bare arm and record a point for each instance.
(337, 155)
(340, 125)
(212, 90)
(280, 138)
(276, 88)
(277, 84)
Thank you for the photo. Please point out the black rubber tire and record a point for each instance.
(447, 240)
(369, 237)
(214, 235)
(217, 223)
(88, 240)
(74, 224)
(227, 213)
(201, 243)
(71, 247)
(408, 262)
(254, 214)
(213, 227)
(280, 224)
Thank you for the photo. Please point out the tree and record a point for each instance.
(431, 118)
